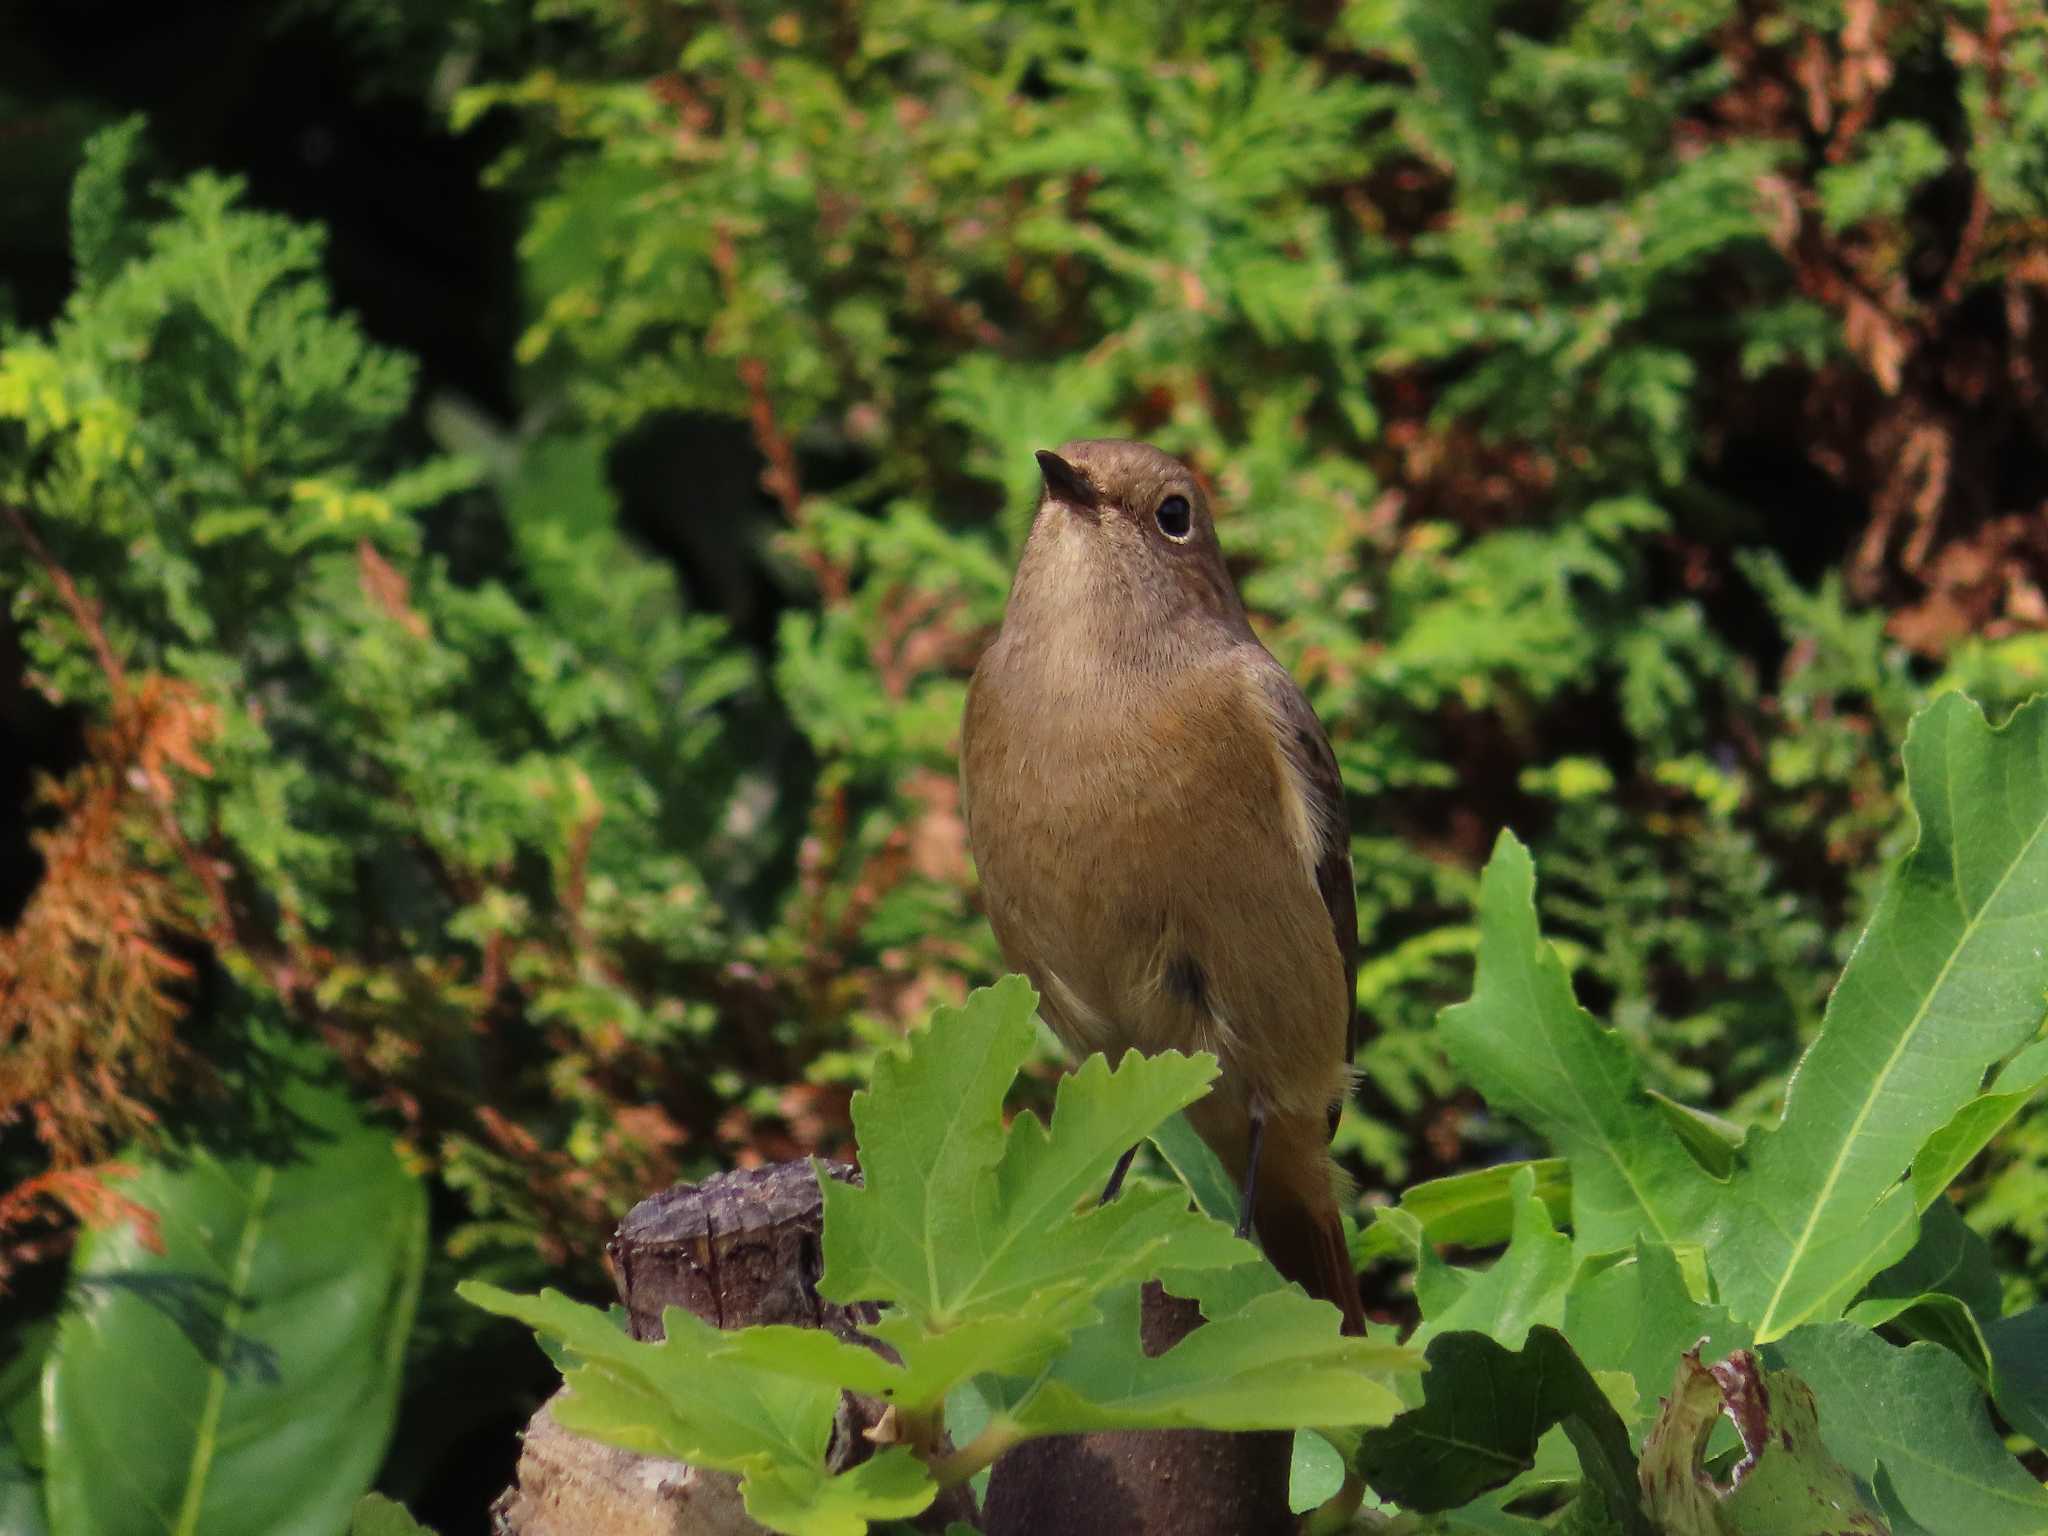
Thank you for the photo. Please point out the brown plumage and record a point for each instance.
(1160, 830)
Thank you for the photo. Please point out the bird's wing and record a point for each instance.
(1313, 769)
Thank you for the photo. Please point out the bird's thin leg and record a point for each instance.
(1116, 1176)
(1251, 1177)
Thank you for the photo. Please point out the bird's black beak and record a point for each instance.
(1065, 483)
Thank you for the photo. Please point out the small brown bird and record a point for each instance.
(1161, 834)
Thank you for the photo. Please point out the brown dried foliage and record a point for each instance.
(40, 1215)
(1943, 392)
(90, 977)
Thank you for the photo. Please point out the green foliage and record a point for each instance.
(1479, 1425)
(996, 1265)
(439, 784)
(22, 1447)
(1944, 983)
(1929, 1450)
(1471, 1210)
(1460, 312)
(1544, 1369)
(244, 1377)
(1461, 315)
(1892, 164)
(376, 1515)
(1773, 1239)
(698, 1395)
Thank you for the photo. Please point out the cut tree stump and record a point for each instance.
(738, 1249)
(743, 1248)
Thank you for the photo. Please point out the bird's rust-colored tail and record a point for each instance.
(1307, 1247)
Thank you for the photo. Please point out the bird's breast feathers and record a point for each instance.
(1149, 859)
(1198, 750)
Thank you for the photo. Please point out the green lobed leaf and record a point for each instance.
(989, 1243)
(1275, 1361)
(1918, 1414)
(1950, 1150)
(1484, 1411)
(1639, 1317)
(694, 1396)
(245, 1380)
(376, 1515)
(2019, 1370)
(1525, 1286)
(1524, 1041)
(1039, 1260)
(1472, 1210)
(1948, 978)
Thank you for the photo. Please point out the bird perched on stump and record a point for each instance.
(1160, 829)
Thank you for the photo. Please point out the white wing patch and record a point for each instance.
(1091, 1030)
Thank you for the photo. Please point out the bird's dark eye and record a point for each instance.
(1176, 518)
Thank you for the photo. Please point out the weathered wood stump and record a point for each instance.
(743, 1248)
(738, 1249)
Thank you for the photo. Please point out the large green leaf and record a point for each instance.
(986, 1241)
(1919, 1413)
(1473, 1210)
(1524, 1041)
(21, 1432)
(245, 1380)
(1523, 1287)
(1638, 1316)
(1267, 1357)
(21, 1494)
(1948, 978)
(1484, 1412)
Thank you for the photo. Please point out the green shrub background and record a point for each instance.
(1622, 415)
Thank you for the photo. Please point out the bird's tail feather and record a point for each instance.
(1307, 1246)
